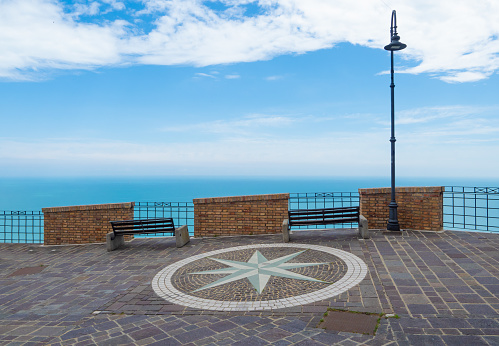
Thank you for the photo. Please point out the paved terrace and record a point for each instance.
(444, 287)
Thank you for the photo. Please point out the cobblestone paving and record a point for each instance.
(278, 287)
(444, 287)
(250, 292)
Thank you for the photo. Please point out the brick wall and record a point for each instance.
(83, 224)
(258, 214)
(419, 208)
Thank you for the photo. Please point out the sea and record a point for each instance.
(33, 194)
(22, 199)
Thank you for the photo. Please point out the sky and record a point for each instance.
(247, 88)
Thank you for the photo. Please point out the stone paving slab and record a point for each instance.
(443, 286)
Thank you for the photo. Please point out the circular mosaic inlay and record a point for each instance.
(259, 277)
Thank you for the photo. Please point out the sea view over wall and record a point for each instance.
(463, 208)
(37, 193)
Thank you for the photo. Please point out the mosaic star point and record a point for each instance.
(258, 270)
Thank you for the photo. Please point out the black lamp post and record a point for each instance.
(395, 44)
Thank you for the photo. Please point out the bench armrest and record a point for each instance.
(182, 236)
(285, 231)
(363, 227)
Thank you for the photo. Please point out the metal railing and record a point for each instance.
(321, 200)
(181, 212)
(471, 208)
(21, 227)
(464, 208)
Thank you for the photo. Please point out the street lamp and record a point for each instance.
(395, 44)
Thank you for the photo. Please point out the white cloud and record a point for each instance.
(200, 74)
(429, 114)
(463, 131)
(232, 76)
(469, 133)
(428, 141)
(456, 40)
(256, 125)
(467, 76)
(328, 154)
(273, 78)
(226, 156)
(90, 9)
(117, 5)
(37, 35)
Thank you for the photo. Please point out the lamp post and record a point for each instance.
(395, 44)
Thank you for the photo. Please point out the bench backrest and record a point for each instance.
(303, 217)
(165, 225)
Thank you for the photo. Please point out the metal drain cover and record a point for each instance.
(352, 322)
(27, 271)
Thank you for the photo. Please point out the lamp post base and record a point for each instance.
(393, 222)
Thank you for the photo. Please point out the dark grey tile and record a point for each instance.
(464, 340)
(193, 335)
(425, 340)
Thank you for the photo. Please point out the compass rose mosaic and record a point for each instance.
(259, 277)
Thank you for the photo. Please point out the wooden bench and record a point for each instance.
(115, 238)
(326, 216)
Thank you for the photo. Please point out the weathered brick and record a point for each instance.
(419, 208)
(83, 224)
(240, 214)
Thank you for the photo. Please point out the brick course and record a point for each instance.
(419, 208)
(83, 224)
(240, 215)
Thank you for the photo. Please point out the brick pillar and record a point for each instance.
(84, 223)
(257, 214)
(419, 208)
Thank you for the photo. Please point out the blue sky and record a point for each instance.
(247, 88)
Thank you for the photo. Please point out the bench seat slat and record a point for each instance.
(327, 209)
(323, 222)
(307, 217)
(145, 226)
(142, 222)
(147, 232)
(140, 229)
(324, 211)
(323, 216)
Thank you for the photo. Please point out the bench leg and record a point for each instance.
(363, 228)
(182, 236)
(114, 243)
(285, 231)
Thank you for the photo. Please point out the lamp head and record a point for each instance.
(395, 44)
